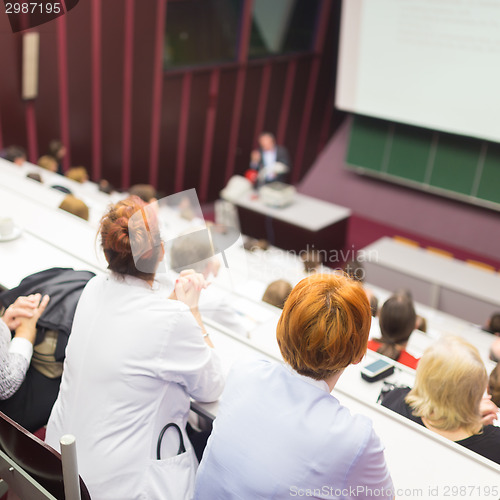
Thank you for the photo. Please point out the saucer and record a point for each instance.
(16, 232)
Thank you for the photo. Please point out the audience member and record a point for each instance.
(15, 353)
(78, 174)
(105, 186)
(195, 251)
(494, 385)
(32, 403)
(397, 321)
(495, 351)
(58, 151)
(493, 325)
(153, 354)
(279, 426)
(48, 163)
(75, 206)
(447, 397)
(271, 162)
(145, 192)
(15, 154)
(277, 292)
(354, 269)
(312, 261)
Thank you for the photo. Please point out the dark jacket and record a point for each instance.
(64, 286)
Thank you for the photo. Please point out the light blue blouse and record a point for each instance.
(280, 435)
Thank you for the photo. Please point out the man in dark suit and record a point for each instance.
(272, 162)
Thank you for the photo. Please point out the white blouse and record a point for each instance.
(15, 357)
(133, 360)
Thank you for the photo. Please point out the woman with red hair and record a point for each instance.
(134, 359)
(279, 432)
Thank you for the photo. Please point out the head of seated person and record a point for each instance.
(16, 155)
(354, 269)
(494, 384)
(145, 192)
(277, 292)
(131, 248)
(495, 351)
(34, 176)
(493, 325)
(324, 326)
(77, 174)
(75, 206)
(194, 250)
(105, 186)
(312, 261)
(57, 149)
(449, 385)
(48, 163)
(397, 319)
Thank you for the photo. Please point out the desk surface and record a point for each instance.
(58, 228)
(28, 254)
(305, 212)
(450, 273)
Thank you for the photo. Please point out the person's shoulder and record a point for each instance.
(255, 368)
(395, 398)
(492, 432)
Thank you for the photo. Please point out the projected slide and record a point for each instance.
(431, 63)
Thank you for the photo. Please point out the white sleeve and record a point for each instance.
(15, 356)
(369, 476)
(190, 362)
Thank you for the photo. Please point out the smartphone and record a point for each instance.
(377, 370)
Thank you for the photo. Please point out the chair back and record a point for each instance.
(30, 467)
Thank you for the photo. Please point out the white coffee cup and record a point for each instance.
(6, 226)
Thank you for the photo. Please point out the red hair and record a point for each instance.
(324, 326)
(116, 226)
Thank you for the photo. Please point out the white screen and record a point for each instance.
(431, 63)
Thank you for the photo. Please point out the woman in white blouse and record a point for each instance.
(15, 353)
(134, 359)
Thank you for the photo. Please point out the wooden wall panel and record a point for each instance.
(144, 51)
(47, 103)
(171, 106)
(79, 81)
(112, 64)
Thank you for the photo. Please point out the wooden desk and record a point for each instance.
(308, 223)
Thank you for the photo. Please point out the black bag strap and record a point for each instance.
(181, 449)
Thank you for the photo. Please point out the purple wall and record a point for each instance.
(458, 224)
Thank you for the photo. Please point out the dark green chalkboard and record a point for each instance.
(451, 165)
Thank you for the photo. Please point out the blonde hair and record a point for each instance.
(324, 325)
(78, 174)
(48, 163)
(449, 384)
(75, 206)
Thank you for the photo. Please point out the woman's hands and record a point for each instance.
(188, 288)
(488, 410)
(27, 322)
(23, 307)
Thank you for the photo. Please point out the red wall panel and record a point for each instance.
(169, 132)
(79, 81)
(144, 60)
(112, 65)
(47, 103)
